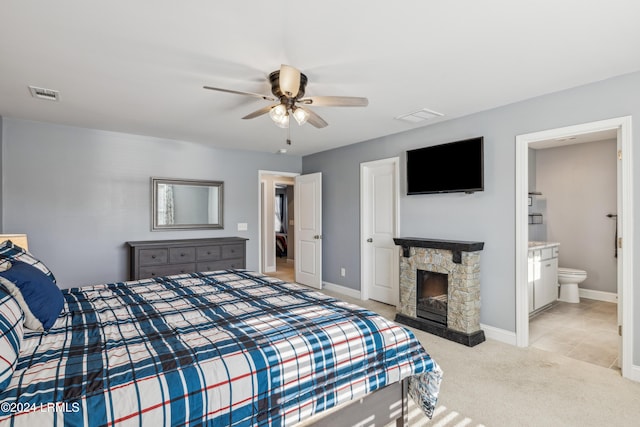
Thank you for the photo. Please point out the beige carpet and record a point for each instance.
(495, 384)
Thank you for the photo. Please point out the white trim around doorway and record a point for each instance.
(623, 127)
(261, 175)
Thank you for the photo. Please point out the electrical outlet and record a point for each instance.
(343, 272)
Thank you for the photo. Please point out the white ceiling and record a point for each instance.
(139, 66)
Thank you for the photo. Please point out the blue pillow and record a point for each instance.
(43, 298)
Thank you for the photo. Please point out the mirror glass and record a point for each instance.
(186, 204)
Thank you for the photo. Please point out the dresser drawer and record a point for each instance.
(178, 255)
(223, 264)
(232, 251)
(166, 270)
(208, 253)
(154, 256)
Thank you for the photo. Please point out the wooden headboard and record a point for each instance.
(18, 239)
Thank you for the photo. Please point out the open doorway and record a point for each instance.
(620, 129)
(277, 231)
(572, 258)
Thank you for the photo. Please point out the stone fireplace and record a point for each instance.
(440, 288)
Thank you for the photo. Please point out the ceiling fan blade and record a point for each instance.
(289, 80)
(238, 92)
(257, 113)
(335, 101)
(315, 119)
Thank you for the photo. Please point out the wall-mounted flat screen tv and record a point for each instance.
(447, 168)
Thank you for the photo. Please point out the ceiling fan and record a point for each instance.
(287, 86)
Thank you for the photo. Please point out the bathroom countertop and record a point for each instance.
(542, 245)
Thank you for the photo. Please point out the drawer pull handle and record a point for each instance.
(153, 274)
(208, 252)
(153, 257)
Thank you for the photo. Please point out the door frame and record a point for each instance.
(625, 200)
(261, 175)
(364, 262)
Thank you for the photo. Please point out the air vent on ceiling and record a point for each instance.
(419, 116)
(42, 93)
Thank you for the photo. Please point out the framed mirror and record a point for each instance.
(186, 204)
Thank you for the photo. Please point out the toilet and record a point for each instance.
(569, 278)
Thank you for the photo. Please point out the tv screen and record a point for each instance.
(446, 168)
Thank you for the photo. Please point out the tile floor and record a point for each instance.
(586, 331)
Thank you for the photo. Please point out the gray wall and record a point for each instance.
(80, 194)
(578, 183)
(488, 216)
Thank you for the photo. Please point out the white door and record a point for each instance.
(308, 229)
(379, 207)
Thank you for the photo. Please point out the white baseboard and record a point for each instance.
(598, 295)
(498, 334)
(634, 375)
(341, 290)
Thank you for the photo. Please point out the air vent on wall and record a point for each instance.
(42, 93)
(419, 116)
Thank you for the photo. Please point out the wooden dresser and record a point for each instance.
(152, 258)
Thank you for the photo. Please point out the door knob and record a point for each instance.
(369, 240)
(317, 236)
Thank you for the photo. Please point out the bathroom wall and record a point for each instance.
(537, 232)
(532, 169)
(578, 184)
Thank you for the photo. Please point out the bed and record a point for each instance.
(224, 348)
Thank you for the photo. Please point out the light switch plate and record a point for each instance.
(242, 226)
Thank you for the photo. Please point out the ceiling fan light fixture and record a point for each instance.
(282, 122)
(277, 112)
(280, 116)
(300, 115)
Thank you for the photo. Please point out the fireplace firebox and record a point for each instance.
(432, 296)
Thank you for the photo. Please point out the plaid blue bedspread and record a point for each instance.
(226, 348)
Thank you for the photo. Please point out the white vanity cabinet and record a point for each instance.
(543, 275)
